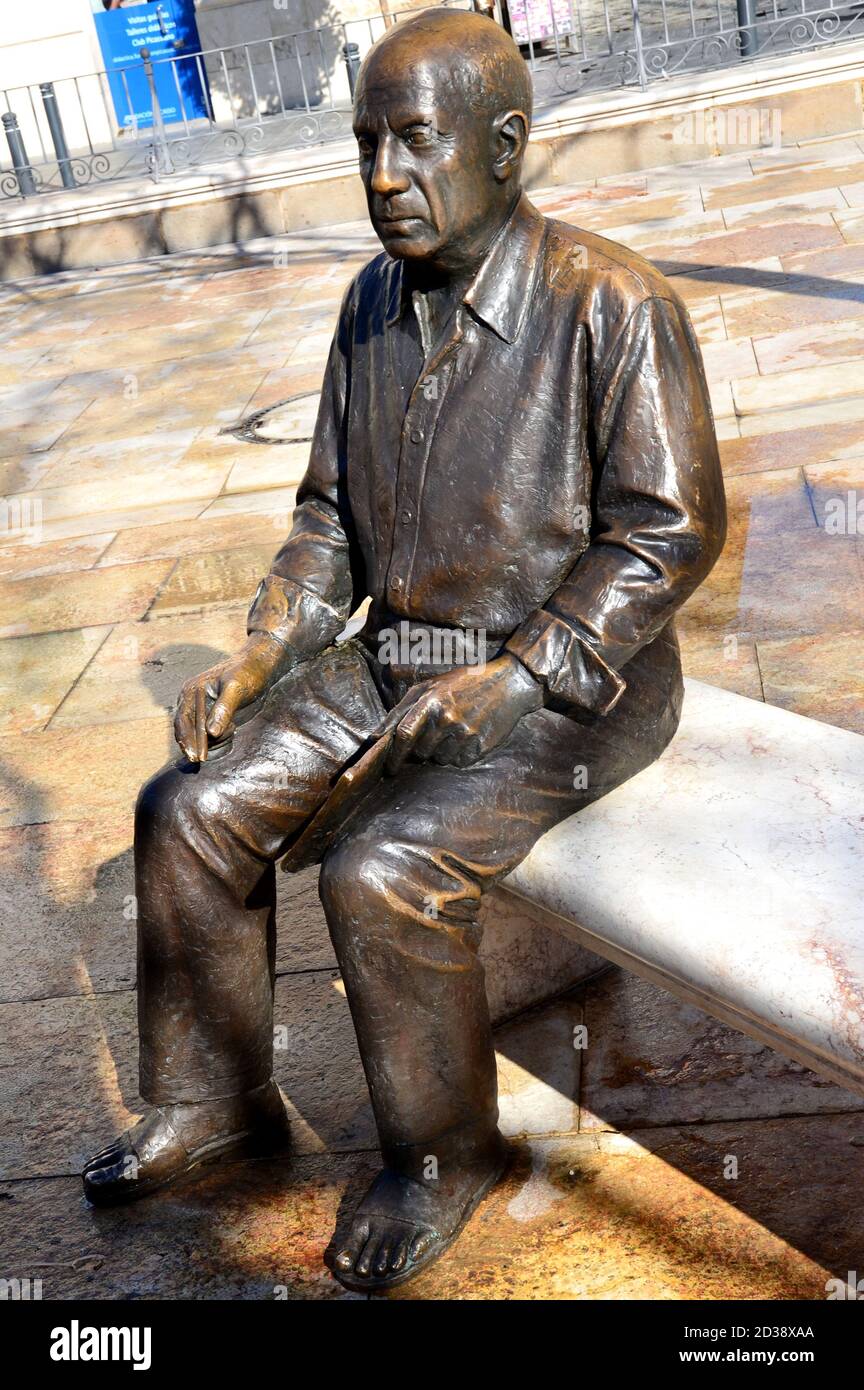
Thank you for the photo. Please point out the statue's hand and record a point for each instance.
(455, 718)
(209, 702)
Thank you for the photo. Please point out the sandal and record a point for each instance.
(138, 1164)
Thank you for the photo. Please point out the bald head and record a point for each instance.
(441, 114)
(467, 52)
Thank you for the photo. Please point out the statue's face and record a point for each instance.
(426, 161)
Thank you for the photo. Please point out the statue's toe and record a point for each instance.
(381, 1263)
(105, 1158)
(352, 1248)
(364, 1260)
(110, 1176)
(422, 1242)
(401, 1253)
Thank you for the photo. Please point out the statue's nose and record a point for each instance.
(388, 177)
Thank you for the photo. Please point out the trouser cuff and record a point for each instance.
(468, 1142)
(161, 1090)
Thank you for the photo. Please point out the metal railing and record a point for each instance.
(163, 116)
(591, 45)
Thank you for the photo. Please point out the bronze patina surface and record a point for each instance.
(515, 459)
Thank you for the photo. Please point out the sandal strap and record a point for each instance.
(174, 1137)
(419, 1227)
(171, 1129)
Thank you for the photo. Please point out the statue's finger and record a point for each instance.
(223, 711)
(432, 737)
(201, 723)
(407, 733)
(184, 727)
(398, 712)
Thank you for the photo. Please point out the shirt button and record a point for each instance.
(406, 515)
(396, 583)
(416, 436)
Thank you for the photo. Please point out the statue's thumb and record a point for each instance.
(219, 717)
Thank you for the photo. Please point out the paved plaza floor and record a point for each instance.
(135, 533)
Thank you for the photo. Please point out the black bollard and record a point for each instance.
(161, 151)
(746, 27)
(351, 54)
(58, 137)
(20, 162)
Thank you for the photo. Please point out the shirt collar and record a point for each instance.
(500, 293)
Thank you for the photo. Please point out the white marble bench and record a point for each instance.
(730, 873)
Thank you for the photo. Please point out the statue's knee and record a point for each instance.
(356, 877)
(154, 810)
(176, 804)
(371, 879)
(386, 899)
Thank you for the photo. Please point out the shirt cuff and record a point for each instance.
(567, 666)
(294, 616)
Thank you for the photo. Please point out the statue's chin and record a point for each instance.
(407, 240)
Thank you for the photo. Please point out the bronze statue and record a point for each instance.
(514, 449)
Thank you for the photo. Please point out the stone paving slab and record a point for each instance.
(217, 577)
(777, 448)
(37, 672)
(66, 912)
(87, 523)
(636, 1216)
(175, 539)
(84, 599)
(819, 676)
(64, 774)
(29, 561)
(703, 651)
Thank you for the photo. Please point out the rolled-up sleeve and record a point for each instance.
(658, 514)
(315, 579)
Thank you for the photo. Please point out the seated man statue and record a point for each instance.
(514, 446)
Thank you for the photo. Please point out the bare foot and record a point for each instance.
(404, 1223)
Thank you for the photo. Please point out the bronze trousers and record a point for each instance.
(400, 889)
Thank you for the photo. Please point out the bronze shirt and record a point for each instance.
(548, 471)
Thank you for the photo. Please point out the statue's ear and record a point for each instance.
(510, 136)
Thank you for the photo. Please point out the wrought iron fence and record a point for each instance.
(296, 89)
(591, 45)
(198, 108)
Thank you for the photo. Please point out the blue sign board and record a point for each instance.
(167, 29)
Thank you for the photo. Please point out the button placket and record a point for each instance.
(418, 429)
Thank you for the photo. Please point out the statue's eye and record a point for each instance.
(364, 146)
(419, 136)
